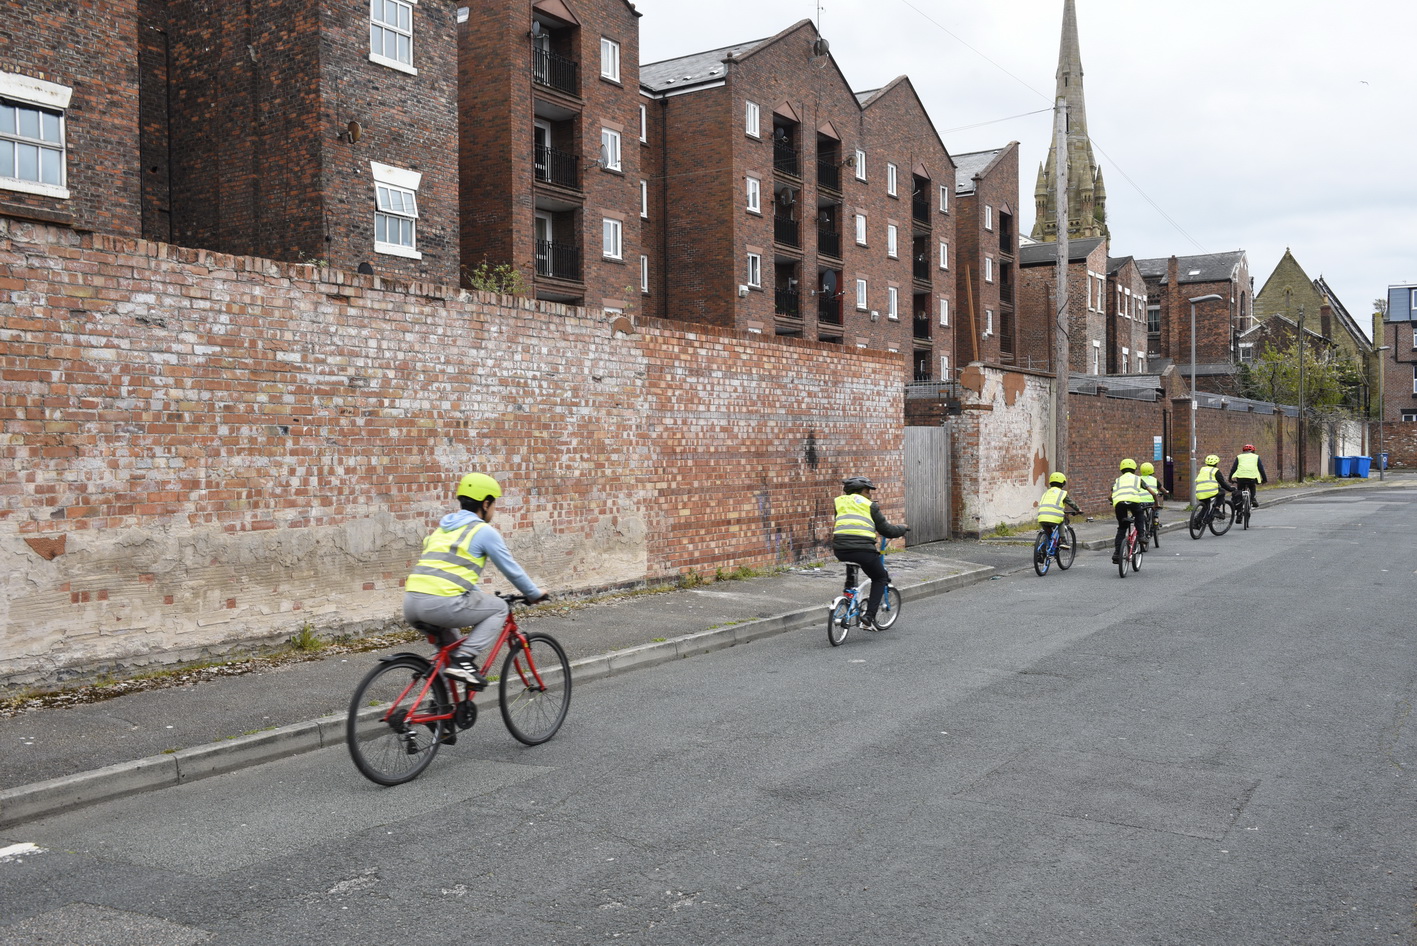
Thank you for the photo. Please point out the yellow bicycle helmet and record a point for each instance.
(1146, 469)
(1212, 460)
(1057, 479)
(1127, 464)
(479, 486)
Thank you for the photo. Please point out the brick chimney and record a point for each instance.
(1326, 321)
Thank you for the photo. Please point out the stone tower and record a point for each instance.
(1087, 198)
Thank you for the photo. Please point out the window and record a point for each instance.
(612, 238)
(755, 195)
(1126, 361)
(1409, 416)
(1141, 361)
(752, 120)
(988, 323)
(644, 274)
(395, 210)
(988, 269)
(944, 199)
(891, 179)
(860, 165)
(988, 217)
(1096, 358)
(892, 241)
(945, 312)
(944, 254)
(609, 59)
(644, 198)
(609, 149)
(1153, 319)
(1414, 336)
(944, 367)
(1247, 353)
(860, 293)
(1414, 379)
(32, 135)
(755, 270)
(893, 303)
(644, 124)
(391, 34)
(861, 229)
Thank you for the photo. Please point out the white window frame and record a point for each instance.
(609, 59)
(988, 217)
(892, 179)
(644, 274)
(1141, 361)
(1126, 360)
(755, 270)
(755, 194)
(860, 229)
(1096, 358)
(612, 238)
(1414, 379)
(892, 241)
(752, 119)
(644, 200)
(611, 158)
(944, 254)
(860, 163)
(392, 185)
(944, 198)
(988, 323)
(893, 303)
(862, 297)
(381, 29)
(945, 313)
(36, 95)
(944, 367)
(644, 124)
(988, 269)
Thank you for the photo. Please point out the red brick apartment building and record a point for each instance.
(1126, 317)
(1170, 285)
(1087, 319)
(984, 260)
(784, 203)
(551, 133)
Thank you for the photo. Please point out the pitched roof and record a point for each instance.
(1349, 323)
(969, 165)
(1208, 267)
(1036, 254)
(1115, 263)
(694, 69)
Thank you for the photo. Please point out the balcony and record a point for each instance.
(829, 242)
(558, 260)
(920, 209)
(829, 174)
(920, 326)
(788, 302)
(557, 167)
(554, 72)
(829, 308)
(786, 231)
(785, 158)
(920, 266)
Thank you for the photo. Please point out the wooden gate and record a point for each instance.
(927, 484)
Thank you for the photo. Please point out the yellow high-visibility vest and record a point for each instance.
(1127, 489)
(1050, 505)
(1247, 466)
(445, 567)
(853, 516)
(1206, 484)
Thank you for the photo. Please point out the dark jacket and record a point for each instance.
(846, 542)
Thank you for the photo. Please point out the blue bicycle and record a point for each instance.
(846, 611)
(1058, 543)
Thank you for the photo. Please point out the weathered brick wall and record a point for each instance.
(1399, 440)
(1000, 447)
(214, 449)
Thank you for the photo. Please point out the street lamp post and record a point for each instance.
(1382, 406)
(1194, 405)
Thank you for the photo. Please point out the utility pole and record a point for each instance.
(1302, 434)
(1060, 317)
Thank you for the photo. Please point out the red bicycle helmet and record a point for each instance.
(1249, 448)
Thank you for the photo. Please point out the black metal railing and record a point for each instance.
(920, 209)
(1006, 291)
(558, 260)
(785, 157)
(788, 302)
(829, 242)
(829, 173)
(829, 308)
(786, 231)
(556, 167)
(921, 266)
(921, 325)
(553, 71)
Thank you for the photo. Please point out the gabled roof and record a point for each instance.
(1115, 263)
(869, 99)
(694, 69)
(969, 166)
(1036, 254)
(1209, 267)
(1349, 323)
(863, 97)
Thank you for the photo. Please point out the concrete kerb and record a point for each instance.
(55, 796)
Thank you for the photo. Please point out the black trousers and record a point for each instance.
(873, 564)
(1124, 512)
(1244, 482)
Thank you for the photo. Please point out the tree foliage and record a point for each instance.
(503, 279)
(1331, 380)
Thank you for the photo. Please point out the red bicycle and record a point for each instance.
(406, 708)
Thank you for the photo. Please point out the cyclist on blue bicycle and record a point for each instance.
(1050, 506)
(858, 520)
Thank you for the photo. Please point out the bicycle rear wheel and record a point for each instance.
(889, 610)
(535, 689)
(1223, 519)
(1040, 553)
(836, 621)
(385, 746)
(1197, 523)
(1066, 555)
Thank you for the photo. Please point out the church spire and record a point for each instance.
(1087, 203)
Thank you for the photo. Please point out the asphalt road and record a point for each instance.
(1218, 750)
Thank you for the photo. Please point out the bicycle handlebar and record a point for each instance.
(522, 599)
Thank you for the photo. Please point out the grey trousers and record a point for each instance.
(483, 613)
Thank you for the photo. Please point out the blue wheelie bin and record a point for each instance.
(1342, 466)
(1363, 465)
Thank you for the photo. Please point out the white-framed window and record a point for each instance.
(391, 34)
(861, 229)
(860, 165)
(755, 270)
(1096, 358)
(644, 274)
(944, 254)
(610, 149)
(1141, 361)
(612, 238)
(988, 217)
(752, 120)
(1121, 302)
(1153, 317)
(945, 312)
(1247, 353)
(861, 294)
(609, 59)
(1414, 379)
(644, 124)
(1409, 416)
(32, 136)
(988, 269)
(644, 199)
(944, 367)
(988, 323)
(395, 210)
(755, 194)
(892, 174)
(892, 241)
(944, 198)
(1126, 360)
(1414, 336)
(892, 303)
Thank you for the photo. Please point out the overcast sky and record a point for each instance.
(1219, 124)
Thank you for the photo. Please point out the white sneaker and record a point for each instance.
(464, 668)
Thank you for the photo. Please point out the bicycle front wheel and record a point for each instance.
(889, 610)
(836, 621)
(386, 740)
(1138, 550)
(1223, 519)
(1065, 555)
(1155, 531)
(535, 689)
(1123, 560)
(1040, 554)
(1245, 513)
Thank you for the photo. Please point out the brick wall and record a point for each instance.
(997, 189)
(215, 449)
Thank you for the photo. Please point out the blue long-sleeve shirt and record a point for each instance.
(489, 542)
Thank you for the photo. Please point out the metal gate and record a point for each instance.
(927, 484)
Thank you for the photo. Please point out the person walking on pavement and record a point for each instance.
(1247, 470)
(1128, 493)
(858, 520)
(442, 588)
